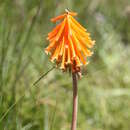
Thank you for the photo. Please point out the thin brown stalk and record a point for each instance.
(75, 102)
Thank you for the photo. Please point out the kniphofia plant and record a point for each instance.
(69, 47)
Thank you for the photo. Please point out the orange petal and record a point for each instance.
(71, 46)
(58, 51)
(86, 51)
(51, 45)
(78, 49)
(51, 38)
(68, 56)
(69, 27)
(60, 30)
(75, 41)
(78, 30)
(84, 40)
(62, 47)
(55, 30)
(78, 63)
(73, 13)
(81, 58)
(78, 24)
(55, 54)
(63, 60)
(70, 43)
(89, 42)
(66, 29)
(66, 52)
(58, 18)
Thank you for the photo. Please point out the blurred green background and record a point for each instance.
(104, 90)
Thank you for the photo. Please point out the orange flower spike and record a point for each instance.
(69, 42)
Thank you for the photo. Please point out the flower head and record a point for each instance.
(69, 43)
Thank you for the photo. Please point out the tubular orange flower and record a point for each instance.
(69, 43)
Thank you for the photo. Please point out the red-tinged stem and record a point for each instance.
(75, 102)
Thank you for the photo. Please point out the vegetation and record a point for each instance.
(104, 93)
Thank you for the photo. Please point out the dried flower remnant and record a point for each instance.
(69, 43)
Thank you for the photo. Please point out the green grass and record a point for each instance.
(104, 90)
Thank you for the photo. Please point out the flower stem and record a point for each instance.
(75, 102)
